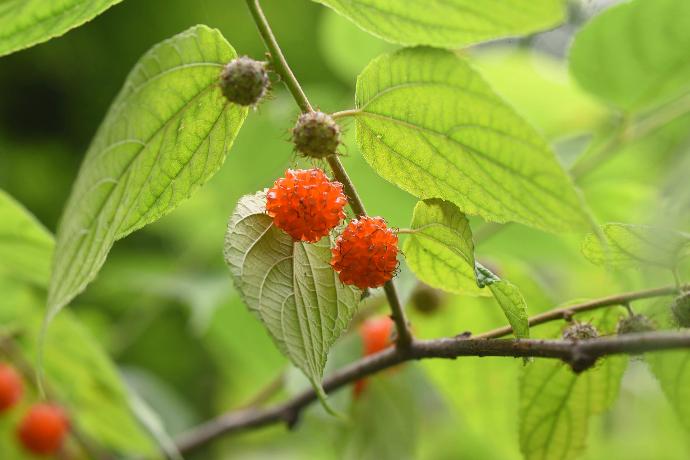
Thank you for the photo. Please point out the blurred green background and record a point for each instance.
(164, 307)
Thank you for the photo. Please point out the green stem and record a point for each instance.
(345, 113)
(280, 65)
(282, 68)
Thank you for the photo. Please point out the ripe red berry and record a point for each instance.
(11, 387)
(43, 429)
(376, 334)
(366, 253)
(306, 204)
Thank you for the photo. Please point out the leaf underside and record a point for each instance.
(290, 286)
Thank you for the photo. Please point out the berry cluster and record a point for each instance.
(316, 135)
(244, 81)
(366, 253)
(306, 204)
(44, 427)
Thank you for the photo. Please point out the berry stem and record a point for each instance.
(345, 113)
(282, 68)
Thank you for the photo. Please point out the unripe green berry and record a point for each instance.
(635, 323)
(681, 309)
(580, 331)
(316, 135)
(426, 299)
(244, 81)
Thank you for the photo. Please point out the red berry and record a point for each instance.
(366, 253)
(43, 429)
(11, 387)
(306, 204)
(376, 334)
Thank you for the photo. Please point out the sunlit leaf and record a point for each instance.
(25, 23)
(556, 404)
(290, 286)
(428, 123)
(672, 370)
(449, 23)
(634, 245)
(635, 54)
(26, 246)
(165, 135)
(77, 373)
(440, 250)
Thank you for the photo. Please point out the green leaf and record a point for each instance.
(634, 55)
(509, 298)
(26, 247)
(290, 286)
(632, 245)
(449, 23)
(77, 373)
(440, 251)
(427, 122)
(556, 404)
(24, 23)
(672, 370)
(165, 135)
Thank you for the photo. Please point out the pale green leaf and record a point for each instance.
(556, 404)
(25, 23)
(427, 122)
(634, 55)
(26, 247)
(290, 286)
(635, 245)
(78, 374)
(449, 23)
(440, 250)
(672, 370)
(509, 298)
(165, 135)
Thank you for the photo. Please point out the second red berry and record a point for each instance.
(11, 387)
(43, 429)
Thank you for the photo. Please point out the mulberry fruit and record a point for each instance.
(244, 81)
(306, 204)
(365, 255)
(11, 387)
(43, 429)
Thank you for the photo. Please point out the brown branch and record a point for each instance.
(579, 355)
(564, 312)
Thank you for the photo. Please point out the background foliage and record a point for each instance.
(163, 308)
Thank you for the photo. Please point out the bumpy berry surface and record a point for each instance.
(316, 135)
(11, 387)
(681, 310)
(580, 331)
(365, 255)
(244, 81)
(635, 323)
(306, 204)
(43, 429)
